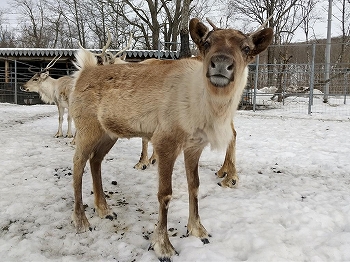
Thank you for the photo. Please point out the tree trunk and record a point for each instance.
(184, 37)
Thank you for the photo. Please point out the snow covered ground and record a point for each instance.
(292, 202)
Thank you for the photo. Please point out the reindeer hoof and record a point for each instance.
(231, 183)
(220, 174)
(205, 241)
(167, 259)
(153, 161)
(140, 166)
(164, 259)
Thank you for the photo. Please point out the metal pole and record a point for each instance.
(345, 86)
(256, 82)
(16, 82)
(328, 53)
(158, 49)
(312, 79)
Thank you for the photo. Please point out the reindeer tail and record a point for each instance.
(84, 59)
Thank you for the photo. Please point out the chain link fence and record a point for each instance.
(298, 84)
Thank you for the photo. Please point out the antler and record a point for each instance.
(264, 24)
(109, 39)
(52, 62)
(49, 65)
(124, 49)
(212, 24)
(30, 69)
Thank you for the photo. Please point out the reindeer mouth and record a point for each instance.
(23, 89)
(219, 80)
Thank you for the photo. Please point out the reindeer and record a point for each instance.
(53, 91)
(181, 105)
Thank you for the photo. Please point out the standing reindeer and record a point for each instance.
(53, 91)
(181, 105)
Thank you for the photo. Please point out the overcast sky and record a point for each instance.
(320, 28)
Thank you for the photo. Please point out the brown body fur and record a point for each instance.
(180, 105)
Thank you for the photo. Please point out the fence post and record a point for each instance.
(256, 82)
(159, 49)
(345, 86)
(16, 100)
(312, 78)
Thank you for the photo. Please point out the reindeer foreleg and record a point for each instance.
(228, 169)
(194, 226)
(143, 162)
(167, 149)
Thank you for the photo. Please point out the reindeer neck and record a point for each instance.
(47, 90)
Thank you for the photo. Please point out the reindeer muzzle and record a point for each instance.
(220, 70)
(23, 88)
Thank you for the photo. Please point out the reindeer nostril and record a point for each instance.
(230, 67)
(212, 64)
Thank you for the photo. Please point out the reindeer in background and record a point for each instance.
(107, 58)
(53, 91)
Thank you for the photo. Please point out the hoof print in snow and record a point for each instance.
(110, 217)
(62, 172)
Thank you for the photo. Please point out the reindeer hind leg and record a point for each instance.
(69, 121)
(102, 148)
(60, 120)
(85, 144)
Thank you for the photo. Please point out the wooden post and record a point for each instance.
(6, 71)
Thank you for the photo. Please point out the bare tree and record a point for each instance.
(184, 36)
(7, 38)
(33, 23)
(286, 17)
(344, 8)
(172, 22)
(142, 15)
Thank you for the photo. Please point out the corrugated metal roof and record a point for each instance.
(38, 52)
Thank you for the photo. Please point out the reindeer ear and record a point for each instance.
(261, 39)
(44, 75)
(197, 30)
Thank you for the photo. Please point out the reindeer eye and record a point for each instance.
(206, 44)
(246, 50)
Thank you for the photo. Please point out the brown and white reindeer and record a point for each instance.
(181, 105)
(52, 90)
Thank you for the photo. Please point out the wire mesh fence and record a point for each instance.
(300, 86)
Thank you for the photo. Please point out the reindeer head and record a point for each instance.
(227, 52)
(34, 84)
